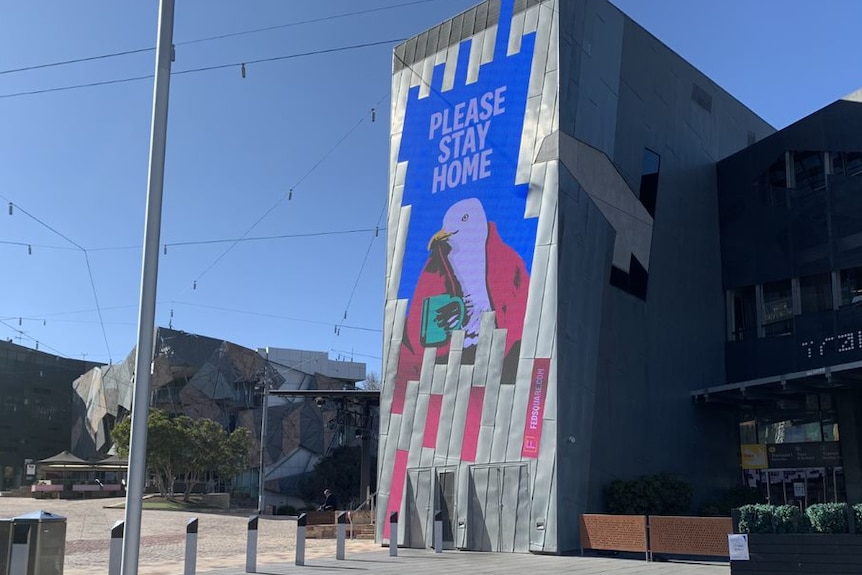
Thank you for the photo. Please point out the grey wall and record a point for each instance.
(623, 91)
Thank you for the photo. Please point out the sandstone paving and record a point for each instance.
(221, 537)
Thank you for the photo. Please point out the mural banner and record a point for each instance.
(536, 408)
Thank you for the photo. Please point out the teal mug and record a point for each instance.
(441, 314)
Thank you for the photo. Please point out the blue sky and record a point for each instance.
(76, 160)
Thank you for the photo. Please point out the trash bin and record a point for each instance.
(46, 541)
(5, 545)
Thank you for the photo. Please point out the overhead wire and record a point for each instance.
(196, 70)
(200, 69)
(289, 194)
(212, 38)
(12, 206)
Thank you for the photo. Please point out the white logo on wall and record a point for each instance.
(845, 341)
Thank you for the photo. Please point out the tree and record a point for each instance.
(187, 447)
(165, 447)
(372, 381)
(338, 471)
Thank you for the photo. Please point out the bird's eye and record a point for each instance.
(465, 217)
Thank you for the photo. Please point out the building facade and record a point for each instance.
(791, 242)
(200, 376)
(35, 409)
(554, 273)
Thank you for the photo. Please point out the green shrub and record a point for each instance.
(789, 519)
(857, 516)
(756, 518)
(661, 494)
(828, 517)
(284, 510)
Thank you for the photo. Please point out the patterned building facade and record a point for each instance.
(553, 287)
(207, 377)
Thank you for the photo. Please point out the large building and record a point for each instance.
(554, 285)
(35, 409)
(201, 376)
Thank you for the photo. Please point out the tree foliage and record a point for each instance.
(339, 471)
(187, 448)
(661, 494)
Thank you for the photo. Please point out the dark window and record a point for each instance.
(649, 180)
(851, 286)
(744, 314)
(816, 292)
(846, 163)
(809, 170)
(777, 308)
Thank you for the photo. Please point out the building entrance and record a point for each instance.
(499, 513)
(801, 487)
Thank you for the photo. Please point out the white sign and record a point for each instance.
(738, 546)
(799, 489)
(31, 469)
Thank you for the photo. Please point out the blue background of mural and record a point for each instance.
(504, 202)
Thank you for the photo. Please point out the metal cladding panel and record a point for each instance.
(489, 46)
(459, 415)
(475, 58)
(450, 393)
(500, 439)
(483, 348)
(518, 413)
(419, 511)
(408, 415)
(540, 521)
(459, 349)
(427, 67)
(517, 32)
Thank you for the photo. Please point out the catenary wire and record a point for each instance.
(212, 38)
(201, 69)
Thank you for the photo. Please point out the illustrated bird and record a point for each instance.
(469, 260)
(465, 230)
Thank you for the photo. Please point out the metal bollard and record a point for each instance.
(340, 534)
(116, 551)
(191, 546)
(251, 546)
(438, 532)
(19, 559)
(301, 522)
(393, 534)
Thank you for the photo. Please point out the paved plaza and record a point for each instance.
(222, 545)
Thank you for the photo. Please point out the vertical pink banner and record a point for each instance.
(471, 426)
(536, 407)
(432, 420)
(396, 489)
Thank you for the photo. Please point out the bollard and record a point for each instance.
(393, 534)
(438, 532)
(301, 522)
(251, 546)
(19, 559)
(116, 551)
(340, 533)
(191, 546)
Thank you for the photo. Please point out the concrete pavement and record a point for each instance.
(426, 562)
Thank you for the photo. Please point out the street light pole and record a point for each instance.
(149, 281)
(261, 498)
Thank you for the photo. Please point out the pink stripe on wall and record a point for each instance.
(471, 426)
(398, 396)
(432, 420)
(396, 489)
(536, 407)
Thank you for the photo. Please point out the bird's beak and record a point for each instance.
(440, 236)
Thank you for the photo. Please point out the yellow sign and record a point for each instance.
(754, 456)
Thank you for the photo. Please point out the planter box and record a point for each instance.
(809, 553)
